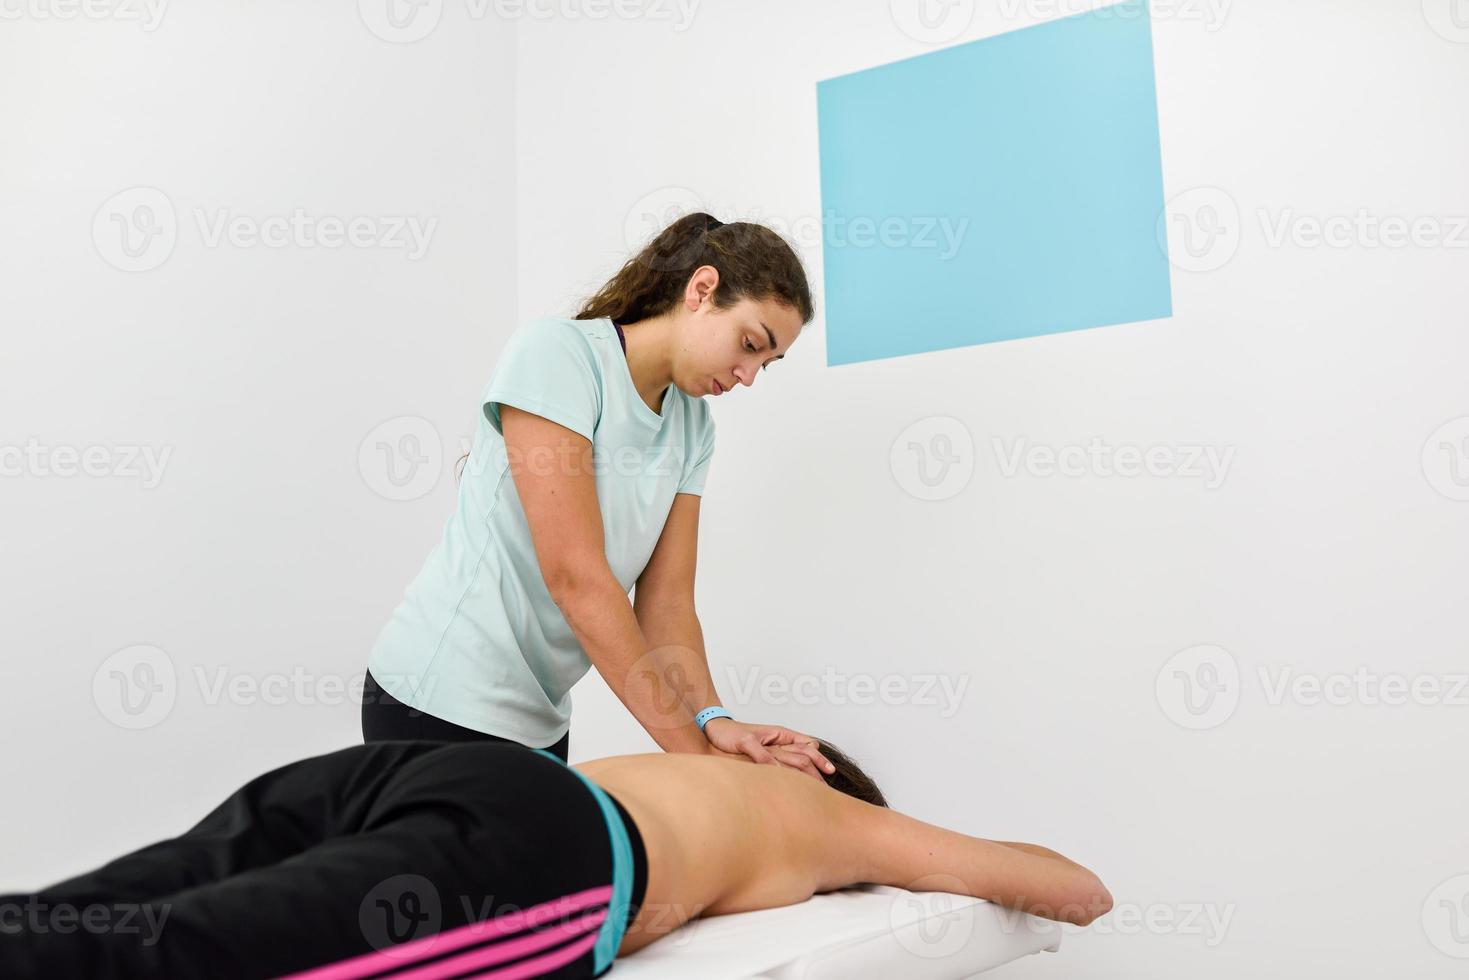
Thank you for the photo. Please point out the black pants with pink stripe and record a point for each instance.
(439, 859)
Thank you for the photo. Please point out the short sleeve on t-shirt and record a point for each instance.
(547, 368)
(698, 469)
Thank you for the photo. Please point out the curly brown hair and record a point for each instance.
(753, 261)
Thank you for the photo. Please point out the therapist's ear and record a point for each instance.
(849, 777)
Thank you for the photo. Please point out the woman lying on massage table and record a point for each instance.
(431, 859)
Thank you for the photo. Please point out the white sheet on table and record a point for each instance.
(867, 931)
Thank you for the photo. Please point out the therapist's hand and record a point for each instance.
(769, 744)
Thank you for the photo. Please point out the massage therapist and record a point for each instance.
(582, 482)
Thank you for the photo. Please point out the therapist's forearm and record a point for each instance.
(672, 628)
(599, 614)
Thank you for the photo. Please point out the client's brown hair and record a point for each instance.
(849, 777)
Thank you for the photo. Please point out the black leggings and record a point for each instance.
(385, 717)
(458, 859)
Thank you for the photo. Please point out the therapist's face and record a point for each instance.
(729, 348)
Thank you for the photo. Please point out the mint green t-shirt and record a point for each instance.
(476, 639)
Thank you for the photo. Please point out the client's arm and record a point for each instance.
(879, 845)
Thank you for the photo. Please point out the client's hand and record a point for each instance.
(768, 744)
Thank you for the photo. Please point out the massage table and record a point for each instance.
(865, 932)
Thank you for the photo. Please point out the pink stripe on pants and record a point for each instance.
(503, 927)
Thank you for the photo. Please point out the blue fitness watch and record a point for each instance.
(705, 716)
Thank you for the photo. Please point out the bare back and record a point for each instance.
(721, 835)
(726, 835)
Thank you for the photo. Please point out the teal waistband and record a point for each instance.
(609, 937)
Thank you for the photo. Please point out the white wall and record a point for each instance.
(1313, 834)
(1318, 833)
(263, 551)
